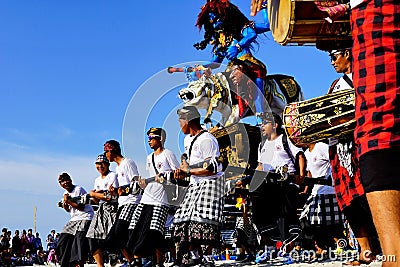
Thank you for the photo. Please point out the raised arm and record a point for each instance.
(255, 7)
(249, 35)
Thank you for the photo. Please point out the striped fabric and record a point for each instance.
(72, 227)
(102, 221)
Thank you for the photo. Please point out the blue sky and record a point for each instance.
(69, 71)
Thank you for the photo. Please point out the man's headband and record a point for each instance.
(108, 146)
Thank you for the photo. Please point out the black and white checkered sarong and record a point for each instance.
(102, 221)
(203, 202)
(126, 212)
(72, 227)
(158, 218)
(249, 228)
(322, 210)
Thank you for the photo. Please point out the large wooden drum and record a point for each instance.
(320, 118)
(238, 144)
(301, 22)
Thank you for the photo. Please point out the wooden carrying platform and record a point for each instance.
(239, 144)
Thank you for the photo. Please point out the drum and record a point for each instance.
(320, 118)
(301, 22)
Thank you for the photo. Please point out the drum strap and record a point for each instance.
(154, 164)
(333, 86)
(192, 143)
(287, 149)
(348, 81)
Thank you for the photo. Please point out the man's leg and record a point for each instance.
(385, 208)
(98, 257)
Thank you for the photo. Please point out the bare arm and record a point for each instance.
(67, 204)
(255, 7)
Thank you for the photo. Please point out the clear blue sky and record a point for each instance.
(70, 69)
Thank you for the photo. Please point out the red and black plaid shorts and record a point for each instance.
(376, 68)
(345, 172)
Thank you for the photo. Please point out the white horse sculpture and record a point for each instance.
(218, 92)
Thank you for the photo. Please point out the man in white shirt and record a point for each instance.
(128, 175)
(198, 219)
(73, 246)
(106, 214)
(346, 174)
(281, 198)
(321, 218)
(146, 230)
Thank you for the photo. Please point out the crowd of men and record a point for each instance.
(134, 212)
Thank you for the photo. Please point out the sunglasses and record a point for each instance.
(335, 56)
(265, 122)
(151, 137)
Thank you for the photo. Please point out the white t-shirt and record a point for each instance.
(340, 85)
(354, 3)
(319, 165)
(126, 172)
(273, 155)
(104, 183)
(77, 215)
(205, 147)
(154, 192)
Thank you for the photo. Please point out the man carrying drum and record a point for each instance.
(276, 151)
(345, 167)
(73, 246)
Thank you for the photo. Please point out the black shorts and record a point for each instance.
(272, 202)
(380, 170)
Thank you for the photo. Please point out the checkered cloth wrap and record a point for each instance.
(345, 171)
(203, 202)
(72, 227)
(168, 232)
(159, 216)
(322, 210)
(102, 221)
(126, 211)
(376, 74)
(249, 228)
